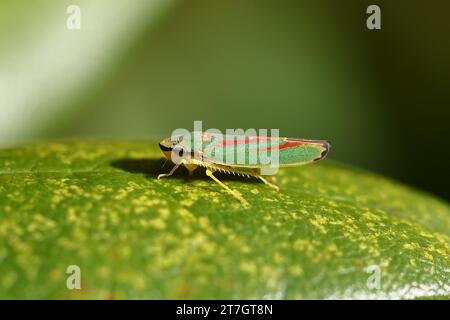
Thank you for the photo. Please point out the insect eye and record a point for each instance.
(178, 151)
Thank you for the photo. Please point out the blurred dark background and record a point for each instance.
(139, 69)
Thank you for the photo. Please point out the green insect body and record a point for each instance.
(239, 154)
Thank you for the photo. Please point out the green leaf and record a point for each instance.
(98, 205)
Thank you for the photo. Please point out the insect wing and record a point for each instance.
(295, 151)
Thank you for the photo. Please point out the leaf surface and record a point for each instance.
(327, 234)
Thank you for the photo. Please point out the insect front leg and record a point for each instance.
(268, 183)
(171, 171)
(234, 193)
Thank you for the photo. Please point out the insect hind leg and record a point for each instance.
(275, 187)
(234, 193)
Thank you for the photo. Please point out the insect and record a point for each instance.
(240, 154)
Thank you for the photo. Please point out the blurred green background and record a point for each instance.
(139, 69)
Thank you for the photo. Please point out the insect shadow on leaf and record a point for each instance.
(152, 167)
(149, 167)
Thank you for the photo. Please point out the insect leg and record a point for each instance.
(229, 190)
(269, 184)
(171, 171)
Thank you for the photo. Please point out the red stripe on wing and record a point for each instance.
(243, 141)
(289, 143)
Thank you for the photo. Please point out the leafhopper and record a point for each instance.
(249, 156)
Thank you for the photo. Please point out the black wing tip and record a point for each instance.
(327, 146)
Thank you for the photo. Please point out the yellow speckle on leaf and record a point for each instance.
(157, 223)
(427, 255)
(332, 247)
(164, 212)
(9, 279)
(187, 202)
(248, 267)
(319, 222)
(104, 271)
(296, 270)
